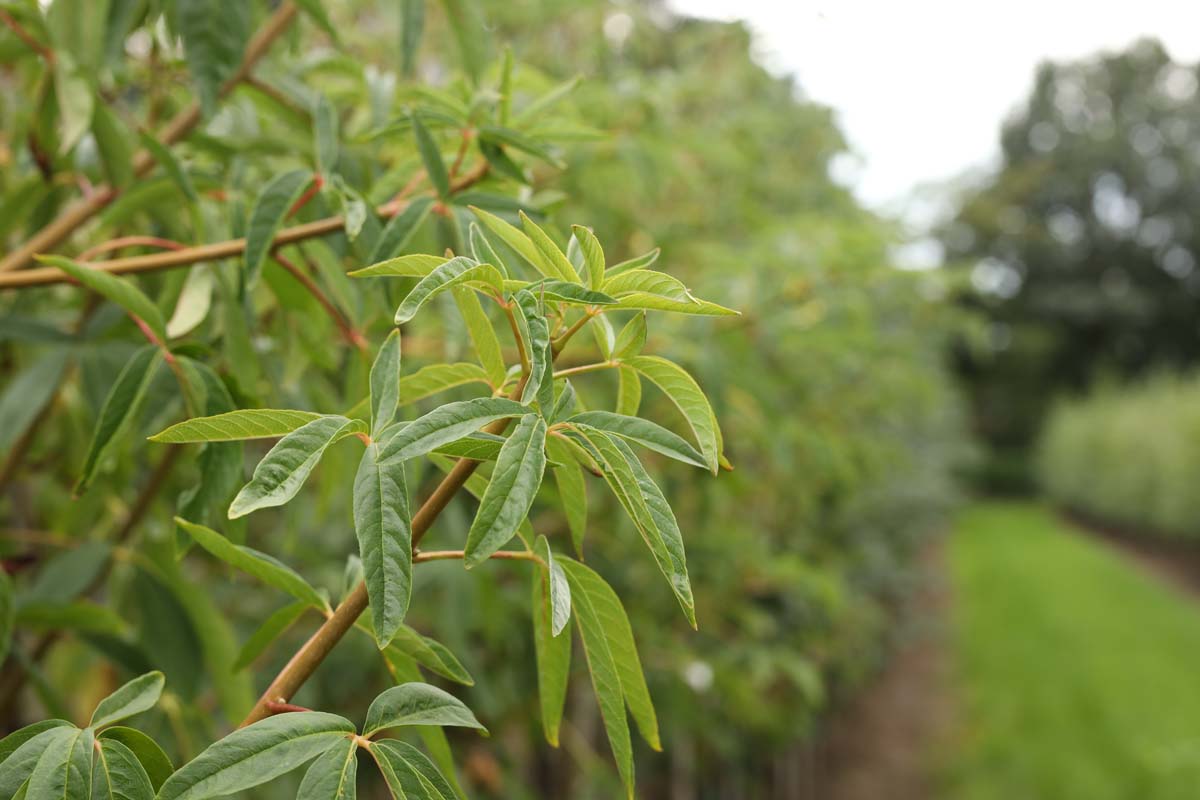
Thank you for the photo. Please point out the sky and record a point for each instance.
(921, 87)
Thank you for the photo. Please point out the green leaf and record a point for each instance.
(82, 616)
(646, 433)
(431, 157)
(195, 300)
(553, 650)
(602, 616)
(515, 482)
(171, 165)
(483, 335)
(246, 423)
(565, 292)
(286, 467)
(332, 776)
(536, 332)
(454, 272)
(437, 378)
(28, 393)
(556, 262)
(559, 590)
(383, 524)
(481, 248)
(519, 242)
(412, 24)
(572, 491)
(214, 34)
(687, 396)
(640, 262)
(64, 769)
(121, 405)
(477, 446)
(470, 32)
(655, 302)
(385, 384)
(271, 207)
(429, 653)
(629, 391)
(256, 754)
(446, 424)
(76, 100)
(154, 761)
(119, 291)
(325, 135)
(647, 281)
(417, 704)
(593, 255)
(409, 773)
(268, 632)
(416, 265)
(631, 339)
(113, 141)
(117, 774)
(139, 695)
(399, 232)
(605, 336)
(646, 506)
(564, 404)
(262, 566)
(499, 135)
(21, 749)
(404, 670)
(316, 11)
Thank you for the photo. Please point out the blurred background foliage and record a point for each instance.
(837, 415)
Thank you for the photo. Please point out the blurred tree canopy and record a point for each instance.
(1082, 247)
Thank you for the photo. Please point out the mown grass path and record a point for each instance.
(1078, 673)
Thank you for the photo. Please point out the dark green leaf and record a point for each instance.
(171, 165)
(332, 776)
(117, 774)
(400, 229)
(515, 482)
(687, 396)
(139, 695)
(121, 405)
(553, 651)
(646, 433)
(152, 758)
(417, 704)
(21, 749)
(271, 207)
(384, 527)
(412, 23)
(114, 142)
(27, 394)
(572, 491)
(446, 424)
(536, 331)
(565, 292)
(266, 633)
(507, 136)
(409, 773)
(64, 769)
(429, 653)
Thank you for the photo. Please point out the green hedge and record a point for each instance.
(1130, 456)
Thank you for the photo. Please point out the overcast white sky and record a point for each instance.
(921, 86)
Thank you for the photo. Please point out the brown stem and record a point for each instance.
(558, 344)
(44, 276)
(24, 35)
(130, 241)
(179, 126)
(306, 660)
(351, 335)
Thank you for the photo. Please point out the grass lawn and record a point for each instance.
(1078, 674)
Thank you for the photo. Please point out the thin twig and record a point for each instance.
(348, 331)
(25, 36)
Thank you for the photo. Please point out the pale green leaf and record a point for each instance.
(256, 754)
(136, 696)
(629, 391)
(446, 424)
(121, 405)
(454, 272)
(195, 300)
(654, 302)
(482, 249)
(271, 207)
(118, 290)
(640, 262)
(631, 339)
(593, 255)
(553, 653)
(246, 423)
(385, 384)
(573, 293)
(514, 484)
(262, 566)
(483, 335)
(557, 263)
(437, 378)
(325, 135)
(518, 241)
(687, 396)
(417, 704)
(383, 524)
(415, 265)
(431, 156)
(647, 281)
(287, 465)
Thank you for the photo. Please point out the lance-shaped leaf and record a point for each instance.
(245, 423)
(332, 775)
(483, 335)
(404, 670)
(195, 300)
(454, 272)
(559, 591)
(118, 290)
(536, 332)
(21, 750)
(409, 773)
(27, 393)
(271, 207)
(121, 405)
(573, 293)
(415, 265)
(639, 262)
(214, 34)
(682, 389)
(497, 135)
(399, 230)
(436, 378)
(287, 465)
(325, 135)
(564, 404)
(654, 302)
(431, 157)
(256, 754)
(478, 446)
(446, 424)
(136, 696)
(412, 24)
(482, 249)
(555, 260)
(220, 463)
(572, 490)
(515, 482)
(520, 243)
(631, 339)
(260, 565)
(385, 384)
(114, 142)
(383, 524)
(117, 774)
(646, 433)
(603, 618)
(171, 165)
(647, 281)
(629, 391)
(410, 645)
(154, 761)
(593, 255)
(417, 704)
(271, 628)
(644, 503)
(64, 769)
(553, 651)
